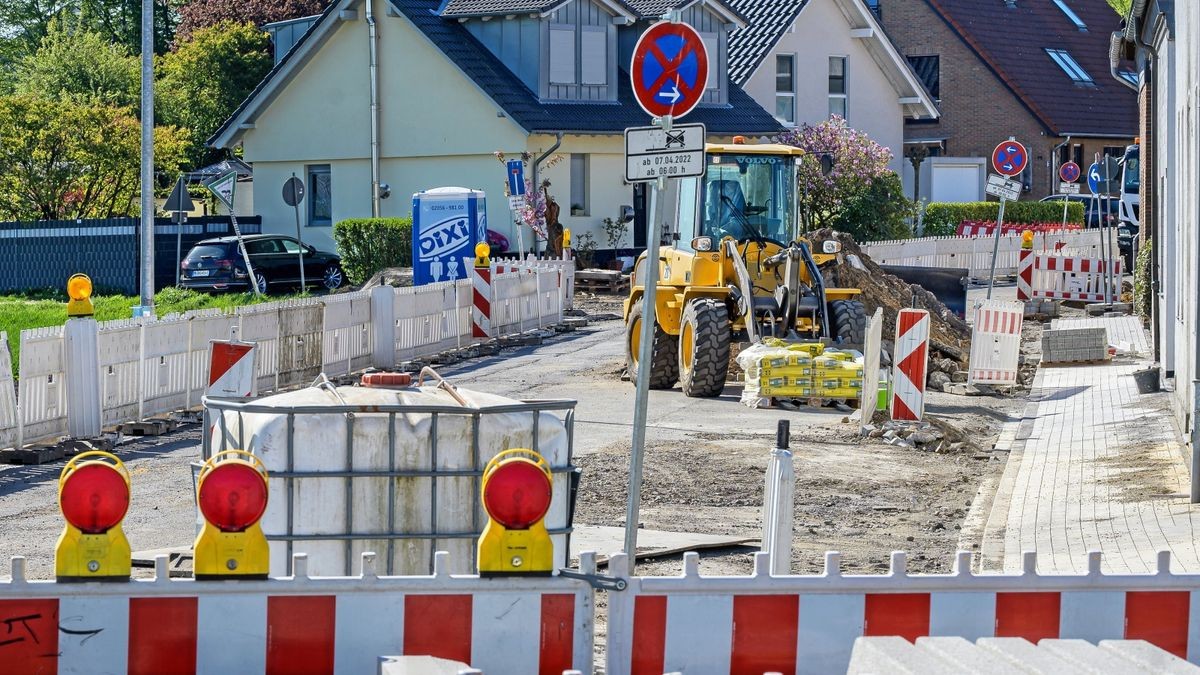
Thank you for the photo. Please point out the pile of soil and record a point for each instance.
(949, 335)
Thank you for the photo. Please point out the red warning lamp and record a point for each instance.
(233, 496)
(93, 494)
(516, 494)
(231, 492)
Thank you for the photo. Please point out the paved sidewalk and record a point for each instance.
(1094, 465)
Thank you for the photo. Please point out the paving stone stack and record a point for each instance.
(1074, 345)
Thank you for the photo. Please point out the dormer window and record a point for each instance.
(580, 54)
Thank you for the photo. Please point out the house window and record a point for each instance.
(1074, 18)
(837, 86)
(1074, 153)
(1071, 67)
(1114, 151)
(928, 70)
(712, 45)
(1130, 77)
(562, 54)
(593, 59)
(320, 195)
(785, 88)
(579, 185)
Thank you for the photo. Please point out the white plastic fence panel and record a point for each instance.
(300, 342)
(8, 397)
(260, 324)
(507, 301)
(975, 253)
(165, 365)
(425, 318)
(464, 298)
(550, 299)
(565, 267)
(996, 342)
(119, 345)
(346, 339)
(42, 391)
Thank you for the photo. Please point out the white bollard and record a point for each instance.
(82, 366)
(778, 506)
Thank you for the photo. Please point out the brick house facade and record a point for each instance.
(984, 99)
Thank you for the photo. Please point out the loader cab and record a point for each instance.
(746, 192)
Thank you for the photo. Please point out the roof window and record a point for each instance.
(1129, 76)
(1062, 4)
(1072, 68)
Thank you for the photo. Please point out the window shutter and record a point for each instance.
(594, 56)
(562, 56)
(713, 46)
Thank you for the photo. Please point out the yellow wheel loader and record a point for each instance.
(738, 270)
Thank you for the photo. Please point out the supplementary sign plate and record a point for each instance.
(1003, 188)
(652, 153)
(1068, 188)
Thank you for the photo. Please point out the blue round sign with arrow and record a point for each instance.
(1094, 178)
(1010, 158)
(669, 69)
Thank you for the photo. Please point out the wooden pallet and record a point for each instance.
(150, 427)
(611, 283)
(39, 454)
(75, 446)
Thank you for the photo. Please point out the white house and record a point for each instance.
(455, 82)
(806, 60)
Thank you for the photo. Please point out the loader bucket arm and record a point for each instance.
(746, 289)
(818, 287)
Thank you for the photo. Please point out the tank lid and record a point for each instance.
(387, 380)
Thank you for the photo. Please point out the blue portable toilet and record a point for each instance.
(447, 223)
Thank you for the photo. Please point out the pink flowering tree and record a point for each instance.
(853, 190)
(532, 211)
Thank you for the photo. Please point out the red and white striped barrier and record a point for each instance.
(911, 361)
(301, 625)
(979, 228)
(481, 303)
(808, 624)
(230, 369)
(996, 342)
(1055, 277)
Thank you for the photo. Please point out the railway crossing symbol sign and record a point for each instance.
(669, 70)
(1010, 158)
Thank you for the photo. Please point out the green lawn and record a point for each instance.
(50, 309)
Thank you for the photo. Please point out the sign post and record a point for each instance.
(516, 197)
(1009, 159)
(178, 203)
(669, 72)
(293, 194)
(222, 188)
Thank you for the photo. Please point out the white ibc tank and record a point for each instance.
(432, 432)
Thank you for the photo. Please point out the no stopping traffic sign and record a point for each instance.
(669, 69)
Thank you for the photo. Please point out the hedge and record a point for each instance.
(368, 245)
(942, 218)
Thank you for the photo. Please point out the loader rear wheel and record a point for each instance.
(848, 321)
(704, 336)
(664, 364)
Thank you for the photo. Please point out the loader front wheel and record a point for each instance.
(664, 366)
(848, 321)
(704, 336)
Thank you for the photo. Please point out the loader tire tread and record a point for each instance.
(705, 376)
(664, 362)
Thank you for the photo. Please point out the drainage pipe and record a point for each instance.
(372, 37)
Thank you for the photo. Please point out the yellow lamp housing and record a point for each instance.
(1027, 239)
(566, 237)
(93, 495)
(79, 290)
(482, 255)
(231, 493)
(516, 494)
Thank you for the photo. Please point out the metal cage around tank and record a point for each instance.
(215, 410)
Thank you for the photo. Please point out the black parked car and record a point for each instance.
(217, 265)
(1092, 208)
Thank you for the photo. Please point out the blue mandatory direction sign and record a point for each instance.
(1094, 178)
(516, 178)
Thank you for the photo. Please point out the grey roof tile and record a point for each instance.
(767, 19)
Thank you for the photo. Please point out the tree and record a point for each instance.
(207, 77)
(78, 65)
(198, 14)
(857, 185)
(67, 159)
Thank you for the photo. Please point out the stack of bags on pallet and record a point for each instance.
(777, 369)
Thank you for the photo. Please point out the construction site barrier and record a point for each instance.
(975, 253)
(8, 396)
(1061, 277)
(996, 342)
(808, 624)
(153, 366)
(987, 228)
(564, 266)
(296, 624)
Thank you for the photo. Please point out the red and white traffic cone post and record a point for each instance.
(481, 305)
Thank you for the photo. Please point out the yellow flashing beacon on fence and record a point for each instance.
(231, 492)
(482, 254)
(566, 237)
(516, 495)
(79, 289)
(93, 494)
(1027, 239)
